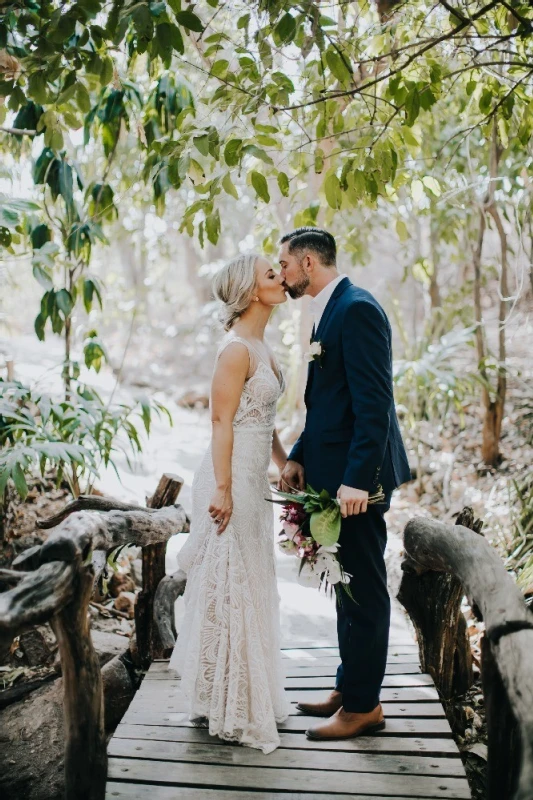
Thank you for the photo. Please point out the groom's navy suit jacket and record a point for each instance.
(351, 433)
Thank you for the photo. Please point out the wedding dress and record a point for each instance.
(228, 648)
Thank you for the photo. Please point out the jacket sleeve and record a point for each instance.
(367, 360)
(297, 452)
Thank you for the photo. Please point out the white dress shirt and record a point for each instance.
(319, 303)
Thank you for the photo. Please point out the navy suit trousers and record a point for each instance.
(363, 625)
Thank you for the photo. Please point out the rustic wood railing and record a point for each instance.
(442, 563)
(54, 582)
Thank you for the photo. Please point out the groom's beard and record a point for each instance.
(297, 290)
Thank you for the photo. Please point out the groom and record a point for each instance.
(351, 444)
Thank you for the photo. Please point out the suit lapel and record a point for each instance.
(339, 289)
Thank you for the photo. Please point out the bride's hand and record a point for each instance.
(221, 508)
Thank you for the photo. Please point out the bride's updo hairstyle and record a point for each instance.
(234, 285)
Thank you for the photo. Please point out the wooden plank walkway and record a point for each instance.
(156, 754)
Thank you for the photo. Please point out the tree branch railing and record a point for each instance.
(54, 583)
(441, 564)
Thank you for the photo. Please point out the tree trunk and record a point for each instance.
(494, 402)
(434, 289)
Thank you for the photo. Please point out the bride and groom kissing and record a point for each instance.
(228, 649)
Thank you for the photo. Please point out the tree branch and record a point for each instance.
(18, 131)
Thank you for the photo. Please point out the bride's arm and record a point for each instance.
(226, 389)
(279, 456)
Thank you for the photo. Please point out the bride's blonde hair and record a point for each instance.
(234, 285)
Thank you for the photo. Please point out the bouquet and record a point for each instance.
(311, 529)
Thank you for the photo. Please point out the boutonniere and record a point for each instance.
(315, 352)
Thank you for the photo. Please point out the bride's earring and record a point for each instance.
(256, 299)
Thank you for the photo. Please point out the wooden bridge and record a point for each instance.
(156, 754)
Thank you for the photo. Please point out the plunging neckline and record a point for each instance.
(278, 376)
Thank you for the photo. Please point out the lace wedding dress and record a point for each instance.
(228, 648)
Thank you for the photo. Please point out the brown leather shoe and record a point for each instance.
(346, 725)
(324, 709)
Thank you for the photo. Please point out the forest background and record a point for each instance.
(144, 143)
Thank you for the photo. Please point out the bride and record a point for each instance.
(228, 649)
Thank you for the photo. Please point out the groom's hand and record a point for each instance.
(292, 477)
(353, 501)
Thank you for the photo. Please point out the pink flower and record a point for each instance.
(290, 528)
(293, 512)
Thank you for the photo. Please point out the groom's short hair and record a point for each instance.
(316, 239)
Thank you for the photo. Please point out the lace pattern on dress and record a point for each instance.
(228, 649)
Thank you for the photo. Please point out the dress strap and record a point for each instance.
(253, 354)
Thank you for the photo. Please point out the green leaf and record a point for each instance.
(82, 98)
(144, 26)
(229, 186)
(471, 87)
(333, 191)
(64, 301)
(39, 324)
(412, 106)
(485, 101)
(502, 130)
(106, 72)
(88, 291)
(190, 21)
(232, 152)
(220, 68)
(326, 525)
(338, 67)
(40, 235)
(286, 28)
(202, 144)
(212, 227)
(37, 87)
(402, 230)
(146, 414)
(19, 480)
(4, 477)
(257, 152)
(176, 40)
(42, 277)
(260, 185)
(283, 183)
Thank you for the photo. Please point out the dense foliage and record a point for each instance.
(420, 112)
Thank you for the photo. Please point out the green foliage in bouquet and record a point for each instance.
(325, 514)
(324, 511)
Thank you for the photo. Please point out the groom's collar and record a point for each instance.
(320, 301)
(341, 287)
